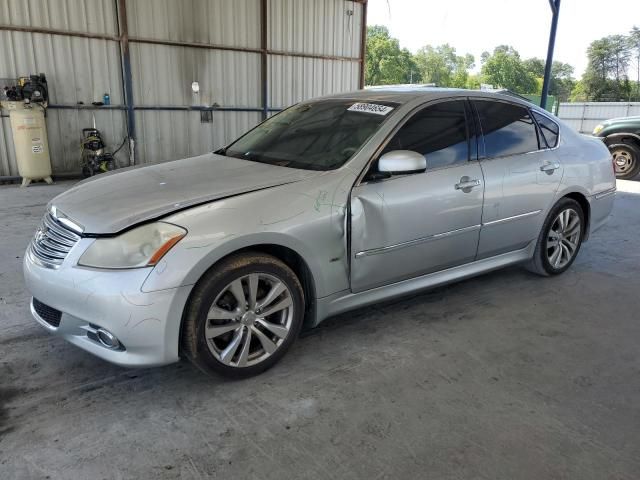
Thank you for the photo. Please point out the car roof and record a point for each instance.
(405, 93)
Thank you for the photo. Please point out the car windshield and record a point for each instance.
(319, 135)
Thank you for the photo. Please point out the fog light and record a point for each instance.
(108, 339)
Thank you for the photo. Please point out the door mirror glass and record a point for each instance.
(402, 161)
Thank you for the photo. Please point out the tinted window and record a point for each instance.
(549, 128)
(508, 129)
(319, 135)
(438, 132)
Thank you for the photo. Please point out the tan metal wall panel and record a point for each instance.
(169, 135)
(77, 69)
(162, 75)
(64, 128)
(321, 27)
(222, 22)
(8, 165)
(292, 79)
(89, 16)
(82, 70)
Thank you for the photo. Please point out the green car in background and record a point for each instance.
(622, 136)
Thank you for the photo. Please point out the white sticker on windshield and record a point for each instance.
(370, 108)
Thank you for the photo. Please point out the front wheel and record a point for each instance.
(626, 160)
(243, 316)
(560, 239)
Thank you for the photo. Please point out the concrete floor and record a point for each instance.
(505, 376)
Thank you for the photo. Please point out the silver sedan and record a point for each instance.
(330, 205)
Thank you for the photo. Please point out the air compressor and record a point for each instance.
(26, 100)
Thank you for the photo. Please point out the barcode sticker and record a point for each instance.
(370, 108)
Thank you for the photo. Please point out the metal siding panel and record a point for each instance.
(320, 27)
(584, 116)
(65, 134)
(77, 69)
(171, 135)
(162, 75)
(221, 22)
(8, 165)
(82, 69)
(90, 16)
(293, 79)
(64, 131)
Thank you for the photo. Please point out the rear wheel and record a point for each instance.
(560, 239)
(243, 316)
(626, 160)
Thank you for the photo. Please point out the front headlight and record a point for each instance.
(598, 129)
(140, 247)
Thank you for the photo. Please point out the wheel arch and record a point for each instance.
(586, 210)
(289, 257)
(622, 137)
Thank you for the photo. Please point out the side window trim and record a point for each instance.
(481, 151)
(533, 114)
(472, 131)
(415, 111)
(500, 100)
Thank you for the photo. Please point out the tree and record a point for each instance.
(442, 66)
(535, 66)
(606, 75)
(386, 62)
(561, 81)
(504, 68)
(634, 43)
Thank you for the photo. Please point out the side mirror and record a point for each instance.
(402, 161)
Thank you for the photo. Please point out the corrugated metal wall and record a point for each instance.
(584, 116)
(311, 48)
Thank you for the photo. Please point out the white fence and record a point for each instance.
(584, 116)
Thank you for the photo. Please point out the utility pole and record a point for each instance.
(555, 11)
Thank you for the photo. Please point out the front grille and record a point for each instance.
(47, 313)
(52, 242)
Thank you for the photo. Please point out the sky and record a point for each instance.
(473, 26)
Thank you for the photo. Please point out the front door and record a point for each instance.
(410, 225)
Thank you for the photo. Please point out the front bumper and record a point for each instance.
(146, 323)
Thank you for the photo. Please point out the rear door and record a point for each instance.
(412, 224)
(521, 175)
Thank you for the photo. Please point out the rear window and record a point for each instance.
(549, 128)
(507, 129)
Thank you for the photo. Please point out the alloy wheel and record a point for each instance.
(249, 320)
(563, 239)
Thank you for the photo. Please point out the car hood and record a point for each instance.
(111, 202)
(621, 119)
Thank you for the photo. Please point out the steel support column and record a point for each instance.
(363, 44)
(555, 11)
(264, 84)
(127, 78)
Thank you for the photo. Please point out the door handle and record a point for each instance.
(466, 184)
(549, 167)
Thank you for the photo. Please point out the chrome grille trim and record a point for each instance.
(52, 242)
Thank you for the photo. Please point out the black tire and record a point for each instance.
(211, 286)
(540, 263)
(626, 159)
